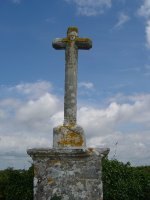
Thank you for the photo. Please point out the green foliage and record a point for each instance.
(120, 182)
(56, 197)
(16, 184)
(123, 182)
(145, 170)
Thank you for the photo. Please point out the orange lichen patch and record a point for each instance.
(50, 181)
(61, 128)
(91, 149)
(36, 170)
(82, 39)
(73, 28)
(67, 40)
(72, 139)
(54, 162)
(58, 129)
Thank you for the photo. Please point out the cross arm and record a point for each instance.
(83, 43)
(59, 44)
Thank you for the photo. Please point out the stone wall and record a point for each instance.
(72, 174)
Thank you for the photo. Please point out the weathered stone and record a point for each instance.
(69, 135)
(73, 174)
(69, 169)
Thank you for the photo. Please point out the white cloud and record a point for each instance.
(33, 90)
(128, 124)
(147, 71)
(123, 18)
(50, 20)
(148, 33)
(86, 85)
(90, 7)
(133, 113)
(16, 1)
(144, 10)
(27, 122)
(44, 107)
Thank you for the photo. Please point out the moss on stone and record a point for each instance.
(72, 28)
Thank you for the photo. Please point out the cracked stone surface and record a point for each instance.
(73, 174)
(68, 137)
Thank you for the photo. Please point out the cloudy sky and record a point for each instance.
(113, 77)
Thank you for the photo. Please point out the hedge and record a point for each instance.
(120, 182)
(16, 184)
(123, 182)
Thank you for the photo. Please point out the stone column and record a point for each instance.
(70, 100)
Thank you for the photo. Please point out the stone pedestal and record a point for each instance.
(70, 137)
(71, 174)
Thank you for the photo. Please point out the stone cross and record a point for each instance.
(70, 135)
(71, 44)
(69, 170)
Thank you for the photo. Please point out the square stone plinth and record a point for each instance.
(71, 174)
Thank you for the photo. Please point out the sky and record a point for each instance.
(113, 76)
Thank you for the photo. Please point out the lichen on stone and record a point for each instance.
(71, 139)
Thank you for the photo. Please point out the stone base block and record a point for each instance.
(68, 137)
(70, 174)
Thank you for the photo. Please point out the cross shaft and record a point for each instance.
(71, 44)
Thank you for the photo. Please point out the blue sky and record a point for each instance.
(113, 76)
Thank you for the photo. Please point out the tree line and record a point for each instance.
(120, 182)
